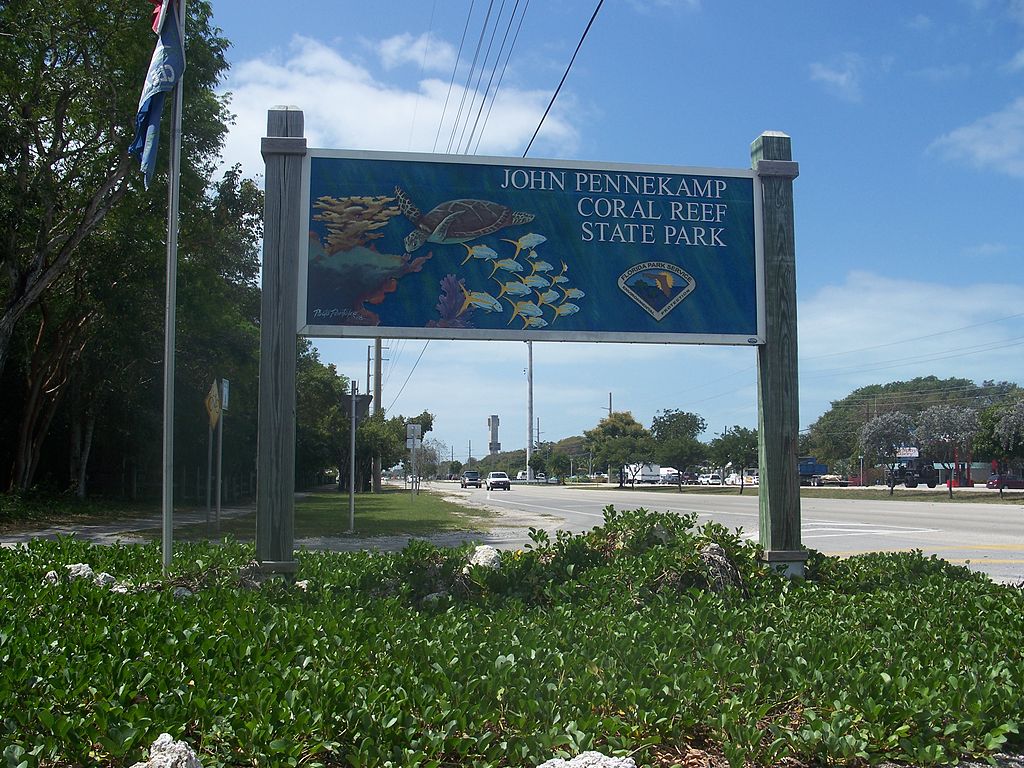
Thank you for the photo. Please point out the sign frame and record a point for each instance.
(306, 328)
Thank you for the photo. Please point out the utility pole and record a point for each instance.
(609, 405)
(377, 347)
(529, 410)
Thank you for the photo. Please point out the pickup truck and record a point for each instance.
(471, 478)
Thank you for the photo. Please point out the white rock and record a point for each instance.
(486, 556)
(590, 760)
(51, 577)
(103, 579)
(80, 571)
(168, 753)
(121, 588)
(302, 584)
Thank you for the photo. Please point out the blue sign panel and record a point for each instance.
(427, 246)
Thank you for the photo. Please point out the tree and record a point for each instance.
(833, 437)
(883, 436)
(675, 434)
(559, 464)
(619, 439)
(1001, 435)
(945, 432)
(321, 424)
(736, 446)
(70, 76)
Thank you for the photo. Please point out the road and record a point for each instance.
(985, 537)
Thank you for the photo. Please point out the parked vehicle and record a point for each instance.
(690, 478)
(471, 478)
(498, 480)
(642, 473)
(1008, 481)
(711, 478)
(912, 472)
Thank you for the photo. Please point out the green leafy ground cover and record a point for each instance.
(611, 640)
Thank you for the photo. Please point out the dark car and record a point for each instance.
(690, 478)
(1008, 481)
(498, 480)
(471, 478)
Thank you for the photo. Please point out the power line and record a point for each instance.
(501, 77)
(469, 76)
(455, 69)
(400, 391)
(559, 88)
(917, 338)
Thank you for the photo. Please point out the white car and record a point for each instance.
(712, 478)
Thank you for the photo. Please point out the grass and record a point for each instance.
(325, 514)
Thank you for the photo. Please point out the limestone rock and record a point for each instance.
(80, 571)
(103, 579)
(721, 571)
(168, 753)
(590, 760)
(51, 577)
(486, 556)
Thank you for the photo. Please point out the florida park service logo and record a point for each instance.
(657, 286)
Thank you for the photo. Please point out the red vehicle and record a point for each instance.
(1009, 481)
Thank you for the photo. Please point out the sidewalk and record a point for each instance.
(115, 531)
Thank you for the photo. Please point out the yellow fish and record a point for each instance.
(512, 288)
(548, 297)
(526, 241)
(536, 281)
(509, 265)
(573, 293)
(480, 300)
(534, 322)
(523, 309)
(479, 252)
(565, 309)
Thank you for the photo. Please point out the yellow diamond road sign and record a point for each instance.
(213, 404)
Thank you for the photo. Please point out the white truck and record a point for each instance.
(642, 473)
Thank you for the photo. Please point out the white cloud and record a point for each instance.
(424, 51)
(994, 142)
(1016, 64)
(346, 107)
(843, 78)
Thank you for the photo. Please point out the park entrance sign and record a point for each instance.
(373, 245)
(428, 246)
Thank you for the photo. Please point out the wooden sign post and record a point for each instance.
(283, 150)
(778, 415)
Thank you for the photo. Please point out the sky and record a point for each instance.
(907, 121)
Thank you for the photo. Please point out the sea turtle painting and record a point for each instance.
(456, 221)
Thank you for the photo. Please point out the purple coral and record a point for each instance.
(449, 303)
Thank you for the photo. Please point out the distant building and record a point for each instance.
(492, 424)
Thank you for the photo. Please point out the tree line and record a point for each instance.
(83, 271)
(948, 419)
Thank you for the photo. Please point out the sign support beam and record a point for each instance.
(778, 415)
(283, 150)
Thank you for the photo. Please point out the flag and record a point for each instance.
(165, 70)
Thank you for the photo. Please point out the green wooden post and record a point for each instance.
(778, 414)
(283, 150)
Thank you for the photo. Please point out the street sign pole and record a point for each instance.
(220, 448)
(352, 463)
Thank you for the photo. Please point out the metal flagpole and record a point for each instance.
(170, 307)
